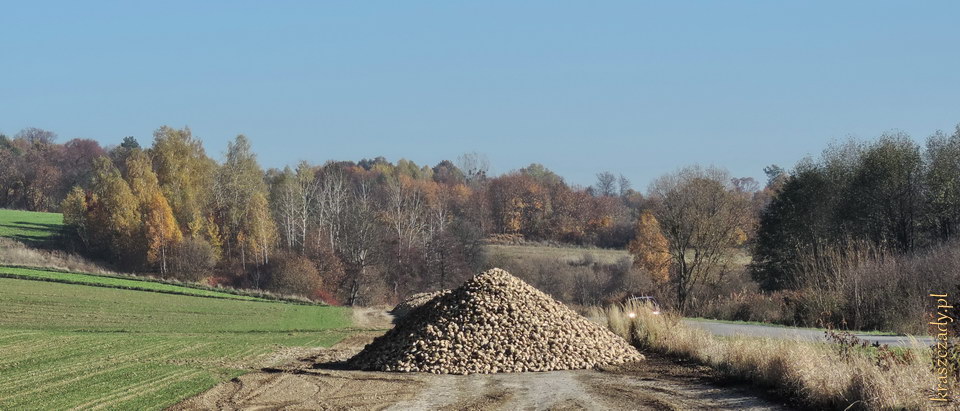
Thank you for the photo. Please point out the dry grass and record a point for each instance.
(18, 254)
(816, 375)
(565, 254)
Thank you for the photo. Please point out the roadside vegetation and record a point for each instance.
(843, 375)
(69, 345)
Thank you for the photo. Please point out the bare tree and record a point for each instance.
(307, 191)
(702, 217)
(746, 185)
(623, 183)
(475, 166)
(283, 197)
(407, 215)
(606, 183)
(360, 235)
(35, 135)
(332, 194)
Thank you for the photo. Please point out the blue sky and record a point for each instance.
(637, 88)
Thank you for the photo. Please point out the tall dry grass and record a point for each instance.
(16, 253)
(815, 375)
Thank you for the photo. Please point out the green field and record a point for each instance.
(34, 228)
(67, 345)
(115, 282)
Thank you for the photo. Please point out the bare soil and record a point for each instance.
(315, 378)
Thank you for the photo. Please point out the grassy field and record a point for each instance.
(115, 282)
(565, 254)
(573, 254)
(34, 228)
(67, 345)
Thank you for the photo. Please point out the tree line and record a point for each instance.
(891, 195)
(374, 231)
(353, 232)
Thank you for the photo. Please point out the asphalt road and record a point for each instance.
(727, 329)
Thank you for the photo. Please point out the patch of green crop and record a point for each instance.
(67, 345)
(31, 227)
(114, 282)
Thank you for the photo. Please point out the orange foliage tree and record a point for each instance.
(649, 248)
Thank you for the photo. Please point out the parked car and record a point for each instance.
(642, 301)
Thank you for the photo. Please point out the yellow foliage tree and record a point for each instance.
(160, 229)
(113, 213)
(649, 248)
(260, 232)
(184, 172)
(74, 209)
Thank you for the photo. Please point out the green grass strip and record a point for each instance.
(115, 282)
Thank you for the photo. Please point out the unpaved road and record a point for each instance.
(314, 380)
(807, 334)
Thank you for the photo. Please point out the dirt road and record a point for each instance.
(314, 380)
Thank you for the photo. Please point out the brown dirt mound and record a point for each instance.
(494, 322)
(415, 301)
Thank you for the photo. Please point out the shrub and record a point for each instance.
(193, 259)
(292, 273)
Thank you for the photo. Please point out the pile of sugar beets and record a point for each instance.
(413, 302)
(494, 322)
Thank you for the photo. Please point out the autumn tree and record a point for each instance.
(292, 273)
(192, 259)
(445, 172)
(258, 234)
(76, 162)
(700, 215)
(240, 187)
(185, 174)
(650, 248)
(519, 205)
(74, 209)
(159, 231)
(31, 171)
(113, 214)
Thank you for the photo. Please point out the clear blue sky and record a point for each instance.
(633, 87)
